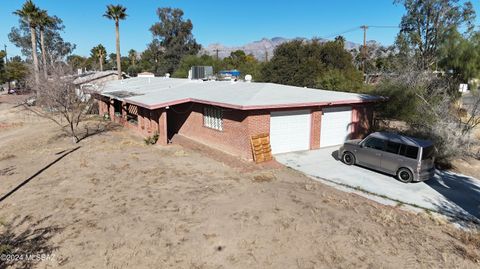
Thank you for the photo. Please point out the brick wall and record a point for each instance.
(315, 128)
(161, 114)
(102, 107)
(258, 122)
(149, 121)
(362, 118)
(233, 138)
(238, 126)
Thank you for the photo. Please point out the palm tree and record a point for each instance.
(44, 21)
(99, 52)
(132, 55)
(30, 13)
(117, 13)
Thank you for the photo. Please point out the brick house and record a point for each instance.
(224, 115)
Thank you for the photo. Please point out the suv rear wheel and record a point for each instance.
(348, 158)
(405, 175)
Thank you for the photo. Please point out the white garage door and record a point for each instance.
(336, 126)
(290, 131)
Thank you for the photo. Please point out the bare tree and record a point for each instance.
(438, 116)
(471, 120)
(61, 102)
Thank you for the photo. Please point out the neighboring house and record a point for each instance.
(224, 115)
(94, 78)
(145, 75)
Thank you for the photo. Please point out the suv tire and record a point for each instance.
(348, 158)
(404, 175)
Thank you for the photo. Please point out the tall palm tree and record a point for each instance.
(117, 13)
(132, 55)
(99, 52)
(44, 22)
(30, 13)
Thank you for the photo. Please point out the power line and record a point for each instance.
(341, 33)
(358, 28)
(383, 26)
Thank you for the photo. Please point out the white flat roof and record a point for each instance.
(161, 92)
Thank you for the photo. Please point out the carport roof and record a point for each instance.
(161, 92)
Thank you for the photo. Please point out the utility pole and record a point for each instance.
(364, 49)
(266, 55)
(216, 51)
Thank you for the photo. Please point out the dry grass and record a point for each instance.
(264, 177)
(470, 238)
(471, 244)
(5, 157)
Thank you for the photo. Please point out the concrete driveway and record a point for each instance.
(450, 194)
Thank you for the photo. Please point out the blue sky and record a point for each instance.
(227, 22)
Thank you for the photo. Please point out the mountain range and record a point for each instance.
(260, 49)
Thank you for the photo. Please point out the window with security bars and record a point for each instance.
(213, 118)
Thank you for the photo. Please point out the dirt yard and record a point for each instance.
(112, 202)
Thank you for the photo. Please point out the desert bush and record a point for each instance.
(401, 101)
(427, 102)
(151, 140)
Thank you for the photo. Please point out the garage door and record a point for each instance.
(290, 131)
(336, 126)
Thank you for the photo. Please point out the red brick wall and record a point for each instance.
(238, 125)
(315, 128)
(151, 122)
(162, 126)
(258, 122)
(102, 107)
(233, 138)
(362, 117)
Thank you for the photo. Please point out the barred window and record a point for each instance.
(213, 118)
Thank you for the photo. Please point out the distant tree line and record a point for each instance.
(172, 41)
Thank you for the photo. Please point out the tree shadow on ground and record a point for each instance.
(88, 129)
(462, 196)
(96, 128)
(64, 154)
(24, 243)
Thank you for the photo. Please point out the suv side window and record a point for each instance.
(409, 151)
(392, 147)
(374, 143)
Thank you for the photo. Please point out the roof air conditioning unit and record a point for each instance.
(201, 72)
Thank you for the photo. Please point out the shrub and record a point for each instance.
(426, 104)
(151, 140)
